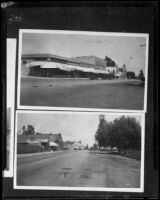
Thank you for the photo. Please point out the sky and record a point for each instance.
(72, 126)
(122, 49)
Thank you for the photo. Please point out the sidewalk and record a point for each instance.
(42, 153)
(50, 78)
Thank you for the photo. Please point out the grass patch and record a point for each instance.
(135, 154)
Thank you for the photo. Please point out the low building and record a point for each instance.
(48, 65)
(39, 142)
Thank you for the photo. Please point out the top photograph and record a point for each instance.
(82, 71)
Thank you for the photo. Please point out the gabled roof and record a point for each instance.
(39, 136)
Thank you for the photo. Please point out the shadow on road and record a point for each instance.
(141, 84)
(99, 152)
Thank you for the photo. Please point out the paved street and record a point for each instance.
(79, 168)
(105, 94)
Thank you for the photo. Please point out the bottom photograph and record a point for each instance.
(79, 151)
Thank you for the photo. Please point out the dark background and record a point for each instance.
(129, 17)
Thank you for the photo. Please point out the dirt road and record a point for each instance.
(104, 94)
(79, 168)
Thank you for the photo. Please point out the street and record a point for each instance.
(104, 94)
(78, 168)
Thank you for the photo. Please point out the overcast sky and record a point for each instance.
(119, 48)
(73, 127)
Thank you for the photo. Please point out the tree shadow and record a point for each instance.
(141, 84)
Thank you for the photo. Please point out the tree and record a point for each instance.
(28, 131)
(141, 75)
(131, 75)
(23, 130)
(123, 133)
(95, 146)
(100, 134)
(126, 133)
(86, 146)
(109, 62)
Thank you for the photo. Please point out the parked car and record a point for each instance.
(115, 149)
(108, 148)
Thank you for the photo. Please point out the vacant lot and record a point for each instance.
(82, 93)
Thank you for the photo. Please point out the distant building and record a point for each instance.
(97, 63)
(39, 142)
(121, 72)
(68, 145)
(78, 146)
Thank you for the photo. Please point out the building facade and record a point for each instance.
(31, 143)
(47, 65)
(96, 62)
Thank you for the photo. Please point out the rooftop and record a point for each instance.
(24, 138)
(49, 56)
(76, 60)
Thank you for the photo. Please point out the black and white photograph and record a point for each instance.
(10, 95)
(79, 100)
(83, 71)
(57, 150)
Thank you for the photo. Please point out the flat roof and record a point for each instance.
(73, 60)
(49, 56)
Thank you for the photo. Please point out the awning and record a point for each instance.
(32, 141)
(35, 63)
(85, 69)
(42, 64)
(65, 67)
(43, 140)
(98, 71)
(53, 144)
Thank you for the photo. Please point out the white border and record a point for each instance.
(9, 172)
(21, 31)
(141, 189)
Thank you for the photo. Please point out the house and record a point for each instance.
(39, 142)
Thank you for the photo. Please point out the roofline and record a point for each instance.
(74, 60)
(50, 56)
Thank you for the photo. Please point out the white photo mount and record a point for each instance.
(10, 85)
